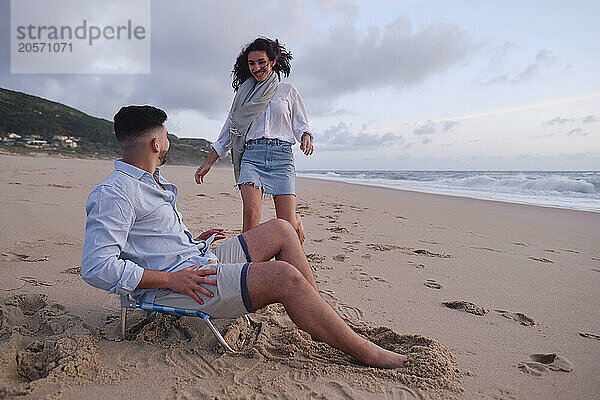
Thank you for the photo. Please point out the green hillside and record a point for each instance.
(34, 118)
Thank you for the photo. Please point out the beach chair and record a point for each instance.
(127, 303)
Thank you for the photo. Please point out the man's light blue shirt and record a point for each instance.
(133, 224)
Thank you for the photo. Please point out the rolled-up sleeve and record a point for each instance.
(223, 144)
(299, 118)
(109, 220)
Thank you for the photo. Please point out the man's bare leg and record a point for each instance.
(277, 238)
(280, 282)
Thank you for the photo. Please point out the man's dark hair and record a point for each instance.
(132, 122)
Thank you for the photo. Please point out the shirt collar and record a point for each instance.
(132, 170)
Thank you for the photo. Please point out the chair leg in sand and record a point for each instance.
(127, 303)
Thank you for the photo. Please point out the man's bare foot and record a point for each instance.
(392, 360)
(300, 229)
(382, 358)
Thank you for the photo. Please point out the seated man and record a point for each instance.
(136, 242)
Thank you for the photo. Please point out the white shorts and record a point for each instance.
(230, 298)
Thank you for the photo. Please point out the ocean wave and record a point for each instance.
(570, 189)
(521, 183)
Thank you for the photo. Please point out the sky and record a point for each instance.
(388, 85)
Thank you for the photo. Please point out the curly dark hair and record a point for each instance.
(274, 50)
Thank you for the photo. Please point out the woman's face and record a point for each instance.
(259, 65)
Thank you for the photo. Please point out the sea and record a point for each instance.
(576, 190)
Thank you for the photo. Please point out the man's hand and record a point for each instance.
(187, 280)
(209, 233)
(306, 146)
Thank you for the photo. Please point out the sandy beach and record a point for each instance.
(490, 300)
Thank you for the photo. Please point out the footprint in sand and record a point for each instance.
(338, 229)
(302, 376)
(383, 247)
(34, 281)
(589, 335)
(466, 306)
(430, 283)
(551, 251)
(486, 248)
(364, 277)
(72, 270)
(427, 253)
(540, 364)
(517, 317)
(346, 312)
(429, 241)
(12, 256)
(191, 364)
(415, 265)
(315, 258)
(570, 251)
(54, 185)
(340, 257)
(542, 260)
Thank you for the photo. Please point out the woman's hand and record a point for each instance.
(204, 168)
(306, 146)
(209, 233)
(187, 280)
(201, 171)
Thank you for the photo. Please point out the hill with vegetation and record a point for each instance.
(33, 124)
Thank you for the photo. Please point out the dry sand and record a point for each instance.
(490, 300)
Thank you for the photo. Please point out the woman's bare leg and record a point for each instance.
(277, 238)
(285, 208)
(252, 205)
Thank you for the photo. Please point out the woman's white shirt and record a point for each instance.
(284, 118)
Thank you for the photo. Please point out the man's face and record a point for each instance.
(165, 144)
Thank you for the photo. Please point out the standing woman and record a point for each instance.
(266, 118)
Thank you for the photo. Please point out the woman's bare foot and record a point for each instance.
(300, 229)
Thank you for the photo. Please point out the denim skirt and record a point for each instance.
(268, 164)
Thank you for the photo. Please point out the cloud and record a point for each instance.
(543, 59)
(346, 59)
(194, 48)
(559, 121)
(193, 51)
(590, 119)
(578, 132)
(340, 138)
(500, 53)
(431, 128)
(426, 129)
